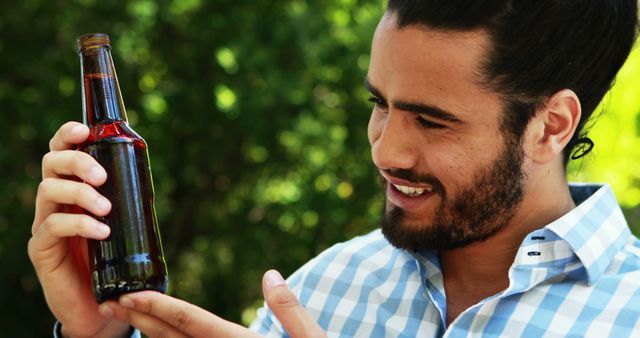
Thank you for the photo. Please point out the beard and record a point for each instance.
(477, 211)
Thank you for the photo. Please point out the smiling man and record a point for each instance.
(478, 107)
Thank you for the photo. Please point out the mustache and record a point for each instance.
(415, 177)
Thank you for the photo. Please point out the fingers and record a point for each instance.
(284, 304)
(73, 163)
(55, 191)
(68, 136)
(178, 315)
(59, 225)
(151, 326)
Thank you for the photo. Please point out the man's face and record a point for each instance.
(451, 176)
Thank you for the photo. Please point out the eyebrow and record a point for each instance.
(414, 107)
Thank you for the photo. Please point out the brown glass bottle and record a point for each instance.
(131, 258)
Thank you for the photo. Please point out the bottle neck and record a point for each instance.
(101, 97)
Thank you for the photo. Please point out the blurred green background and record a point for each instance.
(256, 120)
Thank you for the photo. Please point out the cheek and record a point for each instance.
(462, 165)
(449, 166)
(454, 165)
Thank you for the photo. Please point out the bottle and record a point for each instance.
(131, 258)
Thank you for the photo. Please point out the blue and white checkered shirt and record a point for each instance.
(577, 277)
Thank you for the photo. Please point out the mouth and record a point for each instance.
(405, 187)
(406, 194)
(412, 191)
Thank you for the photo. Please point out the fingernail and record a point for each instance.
(273, 278)
(102, 203)
(104, 229)
(77, 129)
(96, 173)
(106, 311)
(126, 302)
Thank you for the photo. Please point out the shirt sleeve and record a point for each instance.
(57, 331)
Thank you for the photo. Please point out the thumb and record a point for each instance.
(284, 304)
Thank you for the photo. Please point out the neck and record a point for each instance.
(480, 270)
(102, 100)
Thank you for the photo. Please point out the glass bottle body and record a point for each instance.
(131, 258)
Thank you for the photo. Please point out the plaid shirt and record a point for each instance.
(578, 276)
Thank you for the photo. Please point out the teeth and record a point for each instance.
(411, 191)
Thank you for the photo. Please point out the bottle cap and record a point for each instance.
(93, 40)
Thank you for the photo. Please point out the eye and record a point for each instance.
(380, 103)
(429, 124)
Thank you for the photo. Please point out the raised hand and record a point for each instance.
(158, 315)
(58, 246)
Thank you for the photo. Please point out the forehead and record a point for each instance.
(435, 67)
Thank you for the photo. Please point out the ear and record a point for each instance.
(557, 122)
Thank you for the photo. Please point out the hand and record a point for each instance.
(58, 246)
(158, 315)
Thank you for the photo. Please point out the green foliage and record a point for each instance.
(256, 121)
(616, 156)
(616, 133)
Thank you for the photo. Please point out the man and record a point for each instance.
(478, 106)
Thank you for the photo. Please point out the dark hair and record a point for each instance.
(538, 48)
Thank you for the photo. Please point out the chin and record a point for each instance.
(407, 219)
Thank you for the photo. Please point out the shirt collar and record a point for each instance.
(595, 230)
(584, 240)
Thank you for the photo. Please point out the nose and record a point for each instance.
(393, 145)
